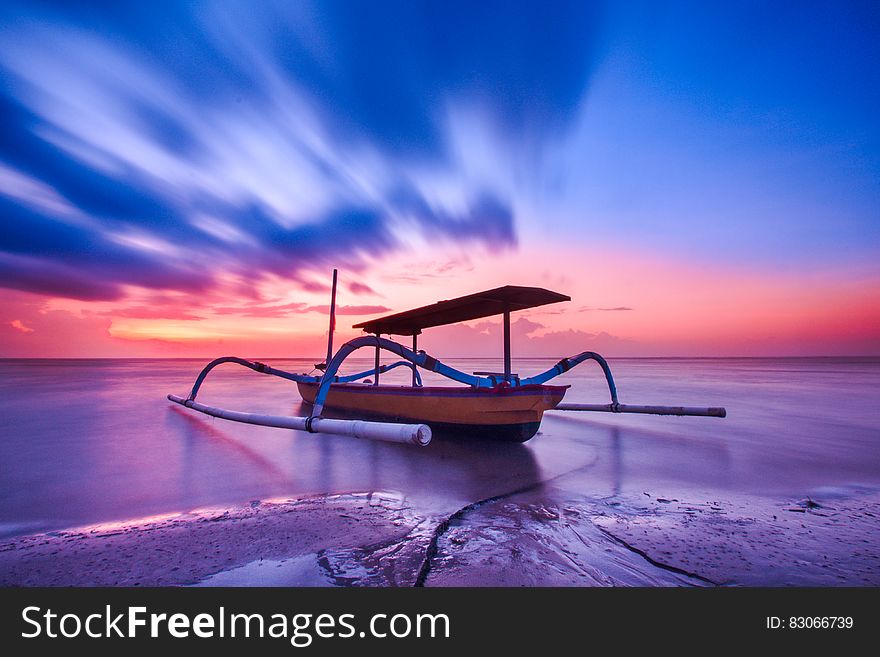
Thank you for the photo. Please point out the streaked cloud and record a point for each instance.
(356, 287)
(163, 149)
(349, 310)
(589, 309)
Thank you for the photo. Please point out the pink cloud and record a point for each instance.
(356, 287)
(18, 325)
(39, 333)
(152, 312)
(250, 310)
(349, 310)
(485, 340)
(588, 309)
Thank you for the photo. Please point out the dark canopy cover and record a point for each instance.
(472, 306)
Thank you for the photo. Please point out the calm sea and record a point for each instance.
(87, 441)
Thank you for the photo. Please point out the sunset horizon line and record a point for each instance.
(475, 358)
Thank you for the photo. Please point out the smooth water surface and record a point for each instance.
(87, 441)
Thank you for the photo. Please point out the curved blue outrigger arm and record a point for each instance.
(348, 378)
(567, 363)
(421, 359)
(255, 366)
(427, 362)
(412, 360)
(299, 378)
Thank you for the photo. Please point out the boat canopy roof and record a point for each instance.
(473, 306)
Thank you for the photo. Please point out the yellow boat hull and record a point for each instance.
(513, 413)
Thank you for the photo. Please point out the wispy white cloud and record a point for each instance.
(270, 139)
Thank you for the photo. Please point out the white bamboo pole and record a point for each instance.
(415, 434)
(650, 410)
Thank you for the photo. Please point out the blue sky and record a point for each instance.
(745, 133)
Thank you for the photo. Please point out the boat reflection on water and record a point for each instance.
(629, 460)
(449, 472)
(575, 458)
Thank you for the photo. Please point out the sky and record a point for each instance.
(179, 179)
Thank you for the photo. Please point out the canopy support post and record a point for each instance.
(506, 344)
(376, 377)
(415, 351)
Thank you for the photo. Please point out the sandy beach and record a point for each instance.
(524, 539)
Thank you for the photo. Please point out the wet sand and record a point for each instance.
(529, 538)
(533, 540)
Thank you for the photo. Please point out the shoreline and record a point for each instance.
(523, 538)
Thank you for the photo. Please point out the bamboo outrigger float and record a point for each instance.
(497, 405)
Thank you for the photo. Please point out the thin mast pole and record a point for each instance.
(332, 321)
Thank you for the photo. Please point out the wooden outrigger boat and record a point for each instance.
(497, 405)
